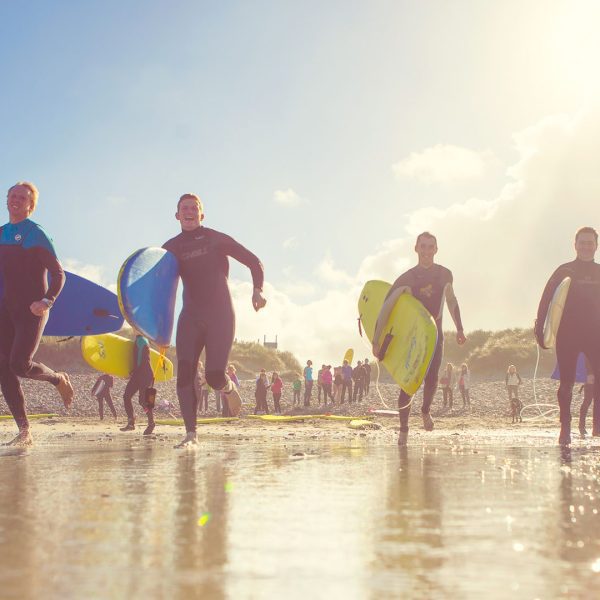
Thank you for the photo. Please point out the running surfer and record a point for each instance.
(27, 255)
(431, 284)
(579, 329)
(207, 319)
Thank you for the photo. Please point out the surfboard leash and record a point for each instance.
(553, 408)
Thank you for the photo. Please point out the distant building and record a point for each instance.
(270, 344)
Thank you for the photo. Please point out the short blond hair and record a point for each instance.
(32, 190)
(193, 197)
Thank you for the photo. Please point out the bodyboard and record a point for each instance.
(113, 354)
(147, 288)
(82, 308)
(412, 329)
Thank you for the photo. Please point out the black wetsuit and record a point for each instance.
(140, 380)
(207, 319)
(27, 256)
(428, 286)
(101, 391)
(578, 332)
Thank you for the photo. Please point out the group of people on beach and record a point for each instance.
(206, 321)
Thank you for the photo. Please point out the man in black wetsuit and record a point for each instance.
(207, 319)
(431, 284)
(26, 256)
(579, 329)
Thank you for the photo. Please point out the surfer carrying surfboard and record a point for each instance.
(27, 255)
(431, 284)
(207, 319)
(577, 330)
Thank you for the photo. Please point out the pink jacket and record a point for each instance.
(326, 377)
(277, 386)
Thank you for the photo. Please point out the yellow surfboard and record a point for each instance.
(349, 355)
(113, 354)
(412, 331)
(555, 311)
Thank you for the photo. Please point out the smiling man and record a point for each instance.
(431, 284)
(579, 329)
(207, 319)
(26, 257)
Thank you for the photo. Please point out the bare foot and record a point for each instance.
(22, 440)
(65, 389)
(190, 441)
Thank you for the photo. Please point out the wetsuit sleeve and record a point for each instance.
(234, 249)
(48, 260)
(452, 303)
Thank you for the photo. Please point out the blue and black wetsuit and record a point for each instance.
(207, 319)
(141, 378)
(578, 332)
(431, 286)
(27, 256)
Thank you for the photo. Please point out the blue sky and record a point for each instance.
(116, 108)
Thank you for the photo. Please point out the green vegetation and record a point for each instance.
(489, 353)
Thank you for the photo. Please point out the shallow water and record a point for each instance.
(121, 519)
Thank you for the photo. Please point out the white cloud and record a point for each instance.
(94, 273)
(329, 274)
(287, 198)
(290, 243)
(444, 163)
(501, 250)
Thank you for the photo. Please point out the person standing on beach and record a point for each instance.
(447, 383)
(431, 284)
(367, 368)
(308, 382)
(297, 387)
(141, 379)
(464, 384)
(207, 319)
(358, 375)
(579, 329)
(27, 255)
(276, 390)
(101, 391)
(346, 381)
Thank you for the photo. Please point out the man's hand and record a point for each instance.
(460, 338)
(39, 308)
(258, 300)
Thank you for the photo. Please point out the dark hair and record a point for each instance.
(587, 230)
(427, 235)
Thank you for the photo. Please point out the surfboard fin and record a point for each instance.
(387, 340)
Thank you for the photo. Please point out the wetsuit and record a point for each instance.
(26, 257)
(141, 378)
(207, 319)
(101, 391)
(431, 286)
(579, 331)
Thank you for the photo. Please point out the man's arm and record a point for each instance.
(454, 309)
(244, 256)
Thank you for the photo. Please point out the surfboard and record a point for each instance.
(555, 311)
(349, 355)
(113, 354)
(410, 332)
(281, 418)
(206, 421)
(147, 288)
(380, 412)
(362, 424)
(82, 308)
(40, 416)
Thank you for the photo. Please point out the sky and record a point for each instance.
(323, 136)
